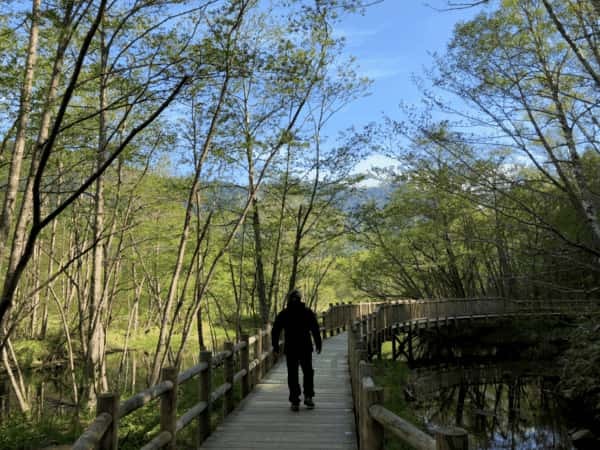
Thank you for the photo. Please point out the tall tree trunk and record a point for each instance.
(183, 240)
(70, 353)
(35, 282)
(14, 176)
(296, 251)
(198, 281)
(273, 292)
(96, 304)
(261, 290)
(304, 215)
(51, 251)
(587, 205)
(19, 392)
(13, 273)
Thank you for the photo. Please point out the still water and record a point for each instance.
(502, 406)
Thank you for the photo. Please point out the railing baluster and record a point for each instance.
(205, 387)
(168, 406)
(228, 368)
(368, 325)
(259, 351)
(245, 365)
(451, 439)
(109, 403)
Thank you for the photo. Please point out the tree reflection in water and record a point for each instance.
(502, 407)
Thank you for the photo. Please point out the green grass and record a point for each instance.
(32, 352)
(25, 433)
(146, 339)
(141, 426)
(393, 376)
(18, 432)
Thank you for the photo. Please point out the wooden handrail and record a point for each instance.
(371, 323)
(191, 414)
(191, 372)
(401, 428)
(220, 392)
(239, 375)
(94, 432)
(371, 326)
(95, 435)
(252, 369)
(372, 417)
(159, 441)
(142, 398)
(239, 346)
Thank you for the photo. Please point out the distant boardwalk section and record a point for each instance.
(264, 420)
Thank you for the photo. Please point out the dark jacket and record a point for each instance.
(298, 322)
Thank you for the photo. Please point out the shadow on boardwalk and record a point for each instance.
(264, 420)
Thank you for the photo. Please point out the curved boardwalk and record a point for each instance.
(263, 420)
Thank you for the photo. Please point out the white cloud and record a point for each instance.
(372, 162)
(354, 36)
(382, 67)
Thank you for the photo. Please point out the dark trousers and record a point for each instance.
(303, 360)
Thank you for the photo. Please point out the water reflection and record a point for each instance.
(502, 407)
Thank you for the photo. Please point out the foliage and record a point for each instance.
(393, 377)
(581, 370)
(496, 186)
(19, 433)
(223, 193)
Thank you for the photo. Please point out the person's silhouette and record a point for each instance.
(298, 322)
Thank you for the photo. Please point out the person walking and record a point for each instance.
(298, 322)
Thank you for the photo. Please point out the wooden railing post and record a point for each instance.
(338, 318)
(352, 340)
(360, 354)
(370, 432)
(269, 348)
(331, 321)
(228, 368)
(364, 335)
(370, 333)
(168, 407)
(245, 363)
(453, 438)
(379, 338)
(374, 436)
(352, 343)
(109, 403)
(383, 315)
(266, 348)
(259, 350)
(204, 388)
(409, 342)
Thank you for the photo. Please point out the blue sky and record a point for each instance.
(392, 42)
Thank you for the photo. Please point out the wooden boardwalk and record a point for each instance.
(263, 420)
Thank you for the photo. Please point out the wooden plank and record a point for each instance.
(279, 446)
(263, 420)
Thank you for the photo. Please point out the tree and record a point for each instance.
(513, 66)
(48, 144)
